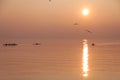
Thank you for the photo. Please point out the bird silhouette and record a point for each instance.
(88, 31)
(76, 24)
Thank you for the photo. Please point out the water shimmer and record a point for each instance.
(60, 60)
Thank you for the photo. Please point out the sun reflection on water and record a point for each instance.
(85, 58)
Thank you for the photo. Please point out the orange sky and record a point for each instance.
(55, 19)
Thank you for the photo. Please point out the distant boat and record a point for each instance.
(37, 44)
(10, 44)
(93, 44)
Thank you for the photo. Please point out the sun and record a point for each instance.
(85, 11)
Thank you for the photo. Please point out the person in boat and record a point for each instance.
(10, 44)
(93, 44)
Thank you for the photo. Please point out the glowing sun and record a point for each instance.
(85, 12)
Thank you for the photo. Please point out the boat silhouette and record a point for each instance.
(10, 44)
(37, 44)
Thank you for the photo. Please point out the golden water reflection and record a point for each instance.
(85, 58)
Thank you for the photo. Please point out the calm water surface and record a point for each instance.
(59, 60)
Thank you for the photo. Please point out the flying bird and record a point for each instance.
(75, 24)
(88, 31)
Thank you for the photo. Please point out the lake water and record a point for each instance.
(59, 60)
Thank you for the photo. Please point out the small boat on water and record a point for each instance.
(93, 44)
(10, 44)
(37, 44)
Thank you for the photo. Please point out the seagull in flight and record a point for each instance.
(76, 24)
(88, 31)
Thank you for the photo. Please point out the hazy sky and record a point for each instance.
(55, 19)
